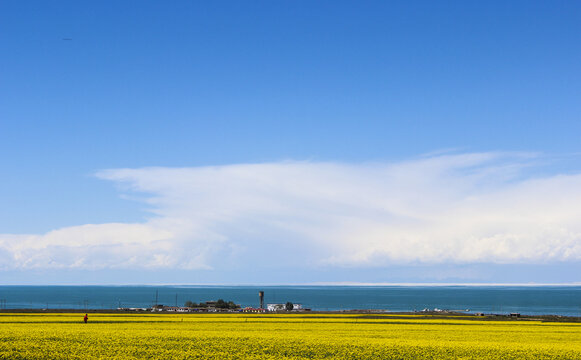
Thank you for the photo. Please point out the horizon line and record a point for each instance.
(354, 284)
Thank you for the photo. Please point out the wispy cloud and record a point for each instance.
(439, 208)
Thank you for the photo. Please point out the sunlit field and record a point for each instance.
(295, 336)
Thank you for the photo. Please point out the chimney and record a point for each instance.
(261, 295)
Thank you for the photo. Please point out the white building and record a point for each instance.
(282, 307)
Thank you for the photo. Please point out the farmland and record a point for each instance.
(279, 336)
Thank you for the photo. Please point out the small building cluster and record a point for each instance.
(171, 308)
(253, 310)
(211, 307)
(221, 306)
(284, 307)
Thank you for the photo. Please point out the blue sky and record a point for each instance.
(138, 126)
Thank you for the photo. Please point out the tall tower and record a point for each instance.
(261, 296)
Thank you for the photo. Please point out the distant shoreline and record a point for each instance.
(336, 284)
(364, 313)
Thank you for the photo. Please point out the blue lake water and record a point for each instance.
(534, 300)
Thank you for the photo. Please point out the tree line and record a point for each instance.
(220, 304)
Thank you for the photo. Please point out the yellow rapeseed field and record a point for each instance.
(295, 336)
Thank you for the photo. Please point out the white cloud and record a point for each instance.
(476, 207)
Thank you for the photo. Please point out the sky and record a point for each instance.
(290, 142)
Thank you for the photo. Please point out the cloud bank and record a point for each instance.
(460, 208)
